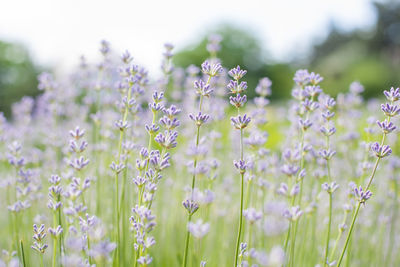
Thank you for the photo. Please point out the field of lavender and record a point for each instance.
(109, 167)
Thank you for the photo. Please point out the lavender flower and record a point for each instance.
(381, 151)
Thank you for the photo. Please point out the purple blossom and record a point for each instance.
(190, 206)
(198, 229)
(167, 139)
(386, 126)
(240, 122)
(390, 110)
(362, 195)
(252, 215)
(241, 166)
(238, 101)
(381, 151)
(301, 77)
(79, 163)
(330, 188)
(211, 69)
(293, 214)
(199, 119)
(393, 95)
(237, 73)
(202, 88)
(236, 88)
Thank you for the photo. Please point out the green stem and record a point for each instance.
(392, 224)
(121, 138)
(349, 234)
(22, 253)
(338, 238)
(328, 236)
(240, 220)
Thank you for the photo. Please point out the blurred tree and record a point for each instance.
(17, 75)
(370, 56)
(241, 47)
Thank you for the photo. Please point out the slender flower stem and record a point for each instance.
(328, 235)
(241, 202)
(349, 234)
(392, 224)
(187, 239)
(338, 238)
(121, 138)
(358, 207)
(55, 241)
(22, 253)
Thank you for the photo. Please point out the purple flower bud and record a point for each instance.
(55, 232)
(168, 123)
(200, 118)
(387, 127)
(393, 95)
(356, 88)
(381, 151)
(327, 154)
(105, 47)
(211, 70)
(156, 106)
(236, 88)
(171, 111)
(153, 129)
(198, 229)
(390, 110)
(301, 77)
(293, 214)
(327, 132)
(330, 188)
(238, 101)
(126, 57)
(313, 90)
(77, 133)
(240, 122)
(310, 105)
(305, 124)
(202, 88)
(362, 195)
(158, 96)
(122, 125)
(315, 78)
(117, 168)
(252, 215)
(79, 163)
(241, 166)
(264, 87)
(290, 170)
(237, 73)
(190, 206)
(167, 139)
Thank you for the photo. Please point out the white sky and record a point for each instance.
(58, 32)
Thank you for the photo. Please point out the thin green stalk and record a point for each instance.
(187, 239)
(240, 220)
(328, 235)
(22, 253)
(338, 238)
(359, 204)
(349, 234)
(121, 137)
(41, 260)
(392, 224)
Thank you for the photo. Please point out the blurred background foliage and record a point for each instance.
(18, 75)
(371, 56)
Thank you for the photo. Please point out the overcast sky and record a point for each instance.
(58, 32)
